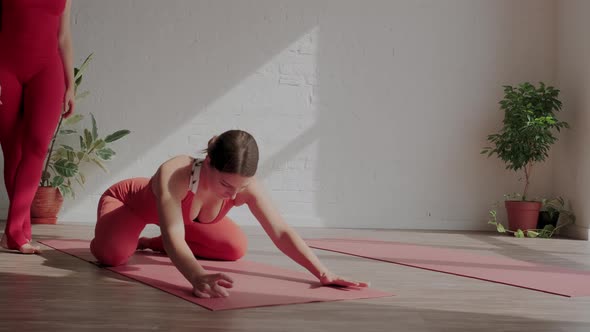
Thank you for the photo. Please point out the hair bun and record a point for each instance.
(211, 142)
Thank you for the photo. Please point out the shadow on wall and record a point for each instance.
(170, 61)
(397, 130)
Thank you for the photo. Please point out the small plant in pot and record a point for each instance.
(524, 141)
(552, 211)
(552, 217)
(64, 159)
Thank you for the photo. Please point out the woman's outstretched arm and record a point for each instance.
(287, 240)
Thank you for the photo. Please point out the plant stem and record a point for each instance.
(527, 174)
(50, 152)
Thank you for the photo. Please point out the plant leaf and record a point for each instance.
(80, 71)
(88, 138)
(65, 190)
(97, 162)
(99, 144)
(94, 128)
(105, 154)
(57, 181)
(65, 168)
(72, 120)
(116, 135)
(82, 145)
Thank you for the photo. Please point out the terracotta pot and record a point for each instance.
(46, 205)
(522, 215)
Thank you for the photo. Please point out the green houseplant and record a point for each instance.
(524, 140)
(552, 211)
(552, 216)
(64, 160)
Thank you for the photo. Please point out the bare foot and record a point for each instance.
(26, 248)
(142, 243)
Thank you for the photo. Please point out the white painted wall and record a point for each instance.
(572, 162)
(368, 113)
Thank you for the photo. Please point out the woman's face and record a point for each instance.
(227, 185)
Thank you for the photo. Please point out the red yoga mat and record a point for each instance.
(548, 279)
(255, 284)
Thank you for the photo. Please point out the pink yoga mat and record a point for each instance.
(548, 279)
(255, 284)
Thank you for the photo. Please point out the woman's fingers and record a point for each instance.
(225, 277)
(200, 294)
(220, 291)
(214, 285)
(225, 283)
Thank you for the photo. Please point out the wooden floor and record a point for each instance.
(57, 292)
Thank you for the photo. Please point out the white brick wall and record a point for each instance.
(367, 113)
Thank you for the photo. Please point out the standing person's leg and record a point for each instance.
(224, 240)
(12, 157)
(18, 154)
(10, 125)
(116, 233)
(10, 119)
(43, 102)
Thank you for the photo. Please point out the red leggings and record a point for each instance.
(32, 98)
(121, 221)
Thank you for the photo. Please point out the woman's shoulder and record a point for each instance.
(179, 161)
(173, 174)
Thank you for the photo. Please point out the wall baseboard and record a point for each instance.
(576, 232)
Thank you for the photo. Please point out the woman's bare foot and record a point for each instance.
(26, 248)
(142, 243)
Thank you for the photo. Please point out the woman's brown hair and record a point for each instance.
(234, 151)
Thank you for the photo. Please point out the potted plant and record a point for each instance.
(62, 165)
(551, 211)
(524, 140)
(552, 217)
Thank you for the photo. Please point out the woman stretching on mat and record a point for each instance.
(189, 199)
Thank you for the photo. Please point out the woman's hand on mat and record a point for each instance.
(212, 285)
(330, 279)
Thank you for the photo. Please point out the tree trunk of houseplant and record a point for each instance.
(46, 205)
(522, 214)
